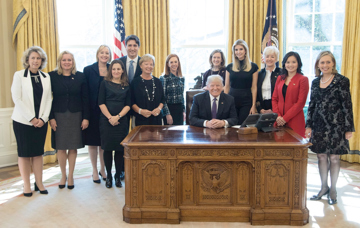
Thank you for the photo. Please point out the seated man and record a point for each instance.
(213, 108)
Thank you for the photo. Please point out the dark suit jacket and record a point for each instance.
(291, 108)
(138, 70)
(94, 80)
(261, 77)
(75, 98)
(201, 109)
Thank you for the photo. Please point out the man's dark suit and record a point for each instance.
(201, 109)
(138, 71)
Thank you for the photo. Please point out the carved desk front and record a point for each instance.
(185, 173)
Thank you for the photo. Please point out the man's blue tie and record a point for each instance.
(131, 71)
(214, 109)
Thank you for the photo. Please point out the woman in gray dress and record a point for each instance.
(69, 113)
(329, 122)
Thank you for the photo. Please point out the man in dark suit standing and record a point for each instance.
(213, 108)
(131, 60)
(132, 67)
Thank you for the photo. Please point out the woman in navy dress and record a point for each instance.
(114, 102)
(329, 123)
(95, 74)
(241, 80)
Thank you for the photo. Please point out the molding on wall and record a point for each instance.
(8, 146)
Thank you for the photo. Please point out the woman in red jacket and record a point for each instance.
(290, 93)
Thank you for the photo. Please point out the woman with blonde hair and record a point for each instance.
(31, 93)
(69, 115)
(330, 122)
(173, 85)
(241, 80)
(95, 74)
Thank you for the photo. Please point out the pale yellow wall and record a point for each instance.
(7, 53)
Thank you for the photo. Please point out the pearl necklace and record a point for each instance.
(323, 82)
(147, 92)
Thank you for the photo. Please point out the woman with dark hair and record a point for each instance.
(95, 74)
(329, 123)
(31, 93)
(147, 95)
(173, 85)
(267, 79)
(290, 93)
(241, 80)
(69, 115)
(217, 66)
(114, 102)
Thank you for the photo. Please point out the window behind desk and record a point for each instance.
(311, 27)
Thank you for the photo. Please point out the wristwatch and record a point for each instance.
(119, 116)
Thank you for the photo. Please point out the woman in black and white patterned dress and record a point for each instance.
(329, 122)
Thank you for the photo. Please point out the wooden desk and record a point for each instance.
(183, 173)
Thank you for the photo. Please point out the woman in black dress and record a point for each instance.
(69, 115)
(147, 95)
(329, 123)
(267, 79)
(173, 85)
(31, 93)
(95, 74)
(217, 66)
(114, 102)
(241, 80)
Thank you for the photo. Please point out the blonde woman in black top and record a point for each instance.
(241, 80)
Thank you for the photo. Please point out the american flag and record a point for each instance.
(119, 32)
(270, 33)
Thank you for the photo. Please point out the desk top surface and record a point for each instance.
(189, 136)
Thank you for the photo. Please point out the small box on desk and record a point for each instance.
(247, 130)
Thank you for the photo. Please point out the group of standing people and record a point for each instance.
(91, 108)
(94, 108)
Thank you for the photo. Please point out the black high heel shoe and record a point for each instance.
(41, 192)
(96, 181)
(28, 194)
(102, 176)
(108, 183)
(61, 186)
(332, 201)
(122, 175)
(71, 186)
(118, 182)
(318, 197)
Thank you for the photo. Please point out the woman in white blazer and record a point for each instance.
(31, 93)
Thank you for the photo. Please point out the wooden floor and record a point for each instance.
(93, 205)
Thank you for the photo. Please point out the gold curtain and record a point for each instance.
(35, 23)
(149, 20)
(247, 21)
(350, 67)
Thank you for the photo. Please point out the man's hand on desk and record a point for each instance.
(215, 123)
